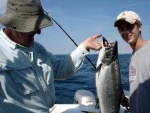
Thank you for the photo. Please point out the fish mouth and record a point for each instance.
(105, 42)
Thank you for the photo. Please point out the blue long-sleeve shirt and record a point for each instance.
(27, 75)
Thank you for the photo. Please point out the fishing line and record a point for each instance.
(68, 36)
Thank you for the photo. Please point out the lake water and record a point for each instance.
(85, 79)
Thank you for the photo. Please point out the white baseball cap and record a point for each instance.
(128, 16)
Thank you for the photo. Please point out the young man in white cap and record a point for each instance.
(129, 26)
(27, 70)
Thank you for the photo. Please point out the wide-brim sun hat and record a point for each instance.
(128, 16)
(25, 16)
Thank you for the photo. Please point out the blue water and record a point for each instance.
(85, 79)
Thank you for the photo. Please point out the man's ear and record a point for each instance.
(140, 27)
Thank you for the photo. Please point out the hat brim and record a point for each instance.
(25, 23)
(131, 21)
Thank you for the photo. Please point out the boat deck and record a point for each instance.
(77, 108)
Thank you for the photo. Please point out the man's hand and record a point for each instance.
(92, 43)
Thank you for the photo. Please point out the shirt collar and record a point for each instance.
(6, 39)
(11, 43)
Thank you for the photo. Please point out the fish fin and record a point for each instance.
(98, 68)
(122, 96)
(97, 103)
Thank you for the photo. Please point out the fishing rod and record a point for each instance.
(69, 37)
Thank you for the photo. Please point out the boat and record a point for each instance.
(84, 102)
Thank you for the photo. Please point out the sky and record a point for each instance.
(84, 18)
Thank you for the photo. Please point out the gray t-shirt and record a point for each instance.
(139, 76)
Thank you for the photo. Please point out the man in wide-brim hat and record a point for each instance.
(27, 70)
